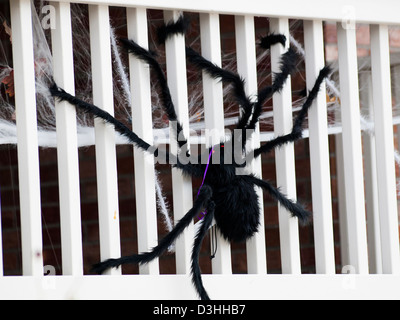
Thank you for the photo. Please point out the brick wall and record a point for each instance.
(363, 40)
(127, 201)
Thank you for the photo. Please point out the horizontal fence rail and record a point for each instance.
(178, 287)
(368, 11)
(363, 251)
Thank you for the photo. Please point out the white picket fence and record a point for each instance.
(379, 255)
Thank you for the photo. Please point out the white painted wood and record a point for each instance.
(371, 186)
(213, 94)
(352, 155)
(67, 149)
(146, 210)
(319, 151)
(341, 191)
(219, 287)
(386, 174)
(341, 10)
(181, 185)
(341, 194)
(396, 96)
(247, 68)
(214, 115)
(1, 241)
(225, 286)
(28, 157)
(106, 162)
(284, 158)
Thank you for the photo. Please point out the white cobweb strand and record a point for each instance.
(367, 125)
(163, 208)
(161, 200)
(45, 103)
(162, 205)
(46, 108)
(120, 69)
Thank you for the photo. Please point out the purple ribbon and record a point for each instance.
(204, 178)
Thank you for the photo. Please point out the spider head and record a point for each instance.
(220, 169)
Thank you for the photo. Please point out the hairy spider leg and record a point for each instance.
(287, 67)
(297, 129)
(172, 28)
(226, 76)
(296, 209)
(147, 57)
(271, 39)
(238, 82)
(195, 268)
(62, 95)
(293, 207)
(143, 258)
(288, 64)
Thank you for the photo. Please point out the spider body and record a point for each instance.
(225, 195)
(237, 212)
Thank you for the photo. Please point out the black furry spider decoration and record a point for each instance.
(229, 198)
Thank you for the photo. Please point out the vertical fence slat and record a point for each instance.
(386, 174)
(67, 149)
(319, 152)
(28, 157)
(181, 185)
(353, 166)
(341, 194)
(146, 211)
(396, 97)
(343, 228)
(106, 163)
(214, 115)
(1, 241)
(247, 68)
(371, 185)
(284, 158)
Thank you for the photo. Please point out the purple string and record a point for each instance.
(204, 177)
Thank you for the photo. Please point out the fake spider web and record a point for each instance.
(122, 96)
